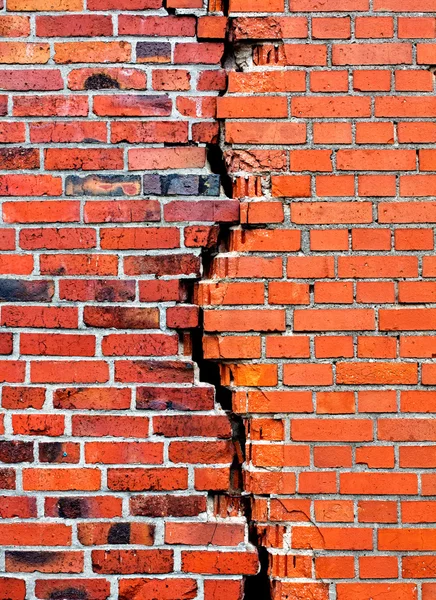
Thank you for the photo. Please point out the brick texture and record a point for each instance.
(217, 284)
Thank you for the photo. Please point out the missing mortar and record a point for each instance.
(258, 587)
(170, 10)
(217, 165)
(238, 57)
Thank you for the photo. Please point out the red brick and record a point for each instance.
(69, 372)
(372, 80)
(331, 28)
(74, 26)
(374, 133)
(241, 107)
(13, 588)
(332, 133)
(246, 320)
(405, 106)
(339, 106)
(377, 373)
(50, 106)
(14, 26)
(333, 320)
(295, 294)
(372, 54)
(94, 588)
(113, 426)
(377, 511)
(226, 563)
(374, 27)
(337, 346)
(274, 81)
(326, 213)
(406, 81)
(380, 567)
(93, 52)
(416, 27)
(341, 567)
(24, 53)
(372, 266)
(406, 539)
(331, 430)
(263, 132)
(169, 158)
(340, 5)
(332, 538)
(378, 483)
(61, 479)
(392, 591)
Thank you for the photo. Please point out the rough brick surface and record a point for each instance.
(217, 279)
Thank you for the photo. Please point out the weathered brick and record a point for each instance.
(189, 349)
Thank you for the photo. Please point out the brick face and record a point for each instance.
(217, 284)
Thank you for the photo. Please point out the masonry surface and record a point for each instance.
(218, 287)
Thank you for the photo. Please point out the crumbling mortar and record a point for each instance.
(260, 586)
(256, 587)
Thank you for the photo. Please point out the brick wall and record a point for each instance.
(217, 284)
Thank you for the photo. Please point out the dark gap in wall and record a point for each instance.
(209, 370)
(210, 373)
(170, 10)
(258, 587)
(215, 157)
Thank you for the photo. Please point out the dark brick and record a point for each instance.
(152, 185)
(35, 559)
(104, 290)
(121, 318)
(17, 290)
(209, 185)
(119, 533)
(19, 158)
(167, 506)
(101, 81)
(16, 452)
(155, 52)
(7, 479)
(172, 264)
(29, 561)
(202, 210)
(72, 508)
(59, 452)
(72, 589)
(180, 185)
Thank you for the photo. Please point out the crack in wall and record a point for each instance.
(237, 57)
(256, 587)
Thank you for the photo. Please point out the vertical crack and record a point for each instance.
(235, 500)
(257, 587)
